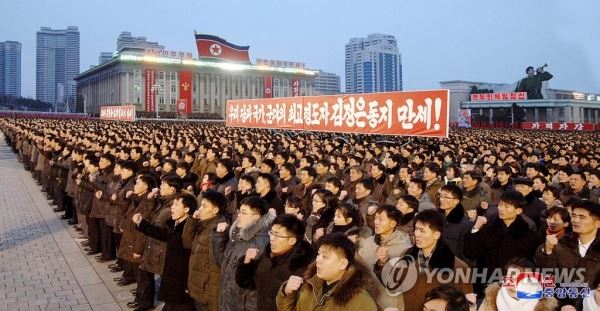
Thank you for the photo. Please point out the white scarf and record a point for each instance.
(589, 303)
(505, 302)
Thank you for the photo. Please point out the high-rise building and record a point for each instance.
(373, 64)
(57, 64)
(105, 57)
(126, 40)
(10, 68)
(327, 83)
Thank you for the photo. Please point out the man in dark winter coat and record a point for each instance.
(204, 274)
(457, 225)
(174, 279)
(265, 184)
(534, 207)
(287, 254)
(229, 244)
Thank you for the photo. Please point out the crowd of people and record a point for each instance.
(238, 219)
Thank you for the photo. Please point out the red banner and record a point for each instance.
(295, 87)
(419, 113)
(499, 96)
(268, 86)
(557, 126)
(117, 113)
(185, 89)
(215, 47)
(150, 92)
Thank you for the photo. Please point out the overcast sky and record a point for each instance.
(491, 41)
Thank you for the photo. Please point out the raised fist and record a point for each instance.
(551, 241)
(479, 222)
(293, 284)
(250, 255)
(137, 218)
(221, 227)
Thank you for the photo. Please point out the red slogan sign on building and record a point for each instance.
(419, 113)
(150, 91)
(499, 96)
(117, 113)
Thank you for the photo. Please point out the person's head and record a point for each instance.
(470, 180)
(504, 174)
(585, 217)
(416, 187)
(264, 183)
(224, 167)
(333, 184)
(524, 185)
(577, 181)
(287, 170)
(428, 228)
(431, 172)
(539, 183)
(293, 206)
(286, 231)
(169, 165)
(364, 188)
(128, 169)
(213, 203)
(512, 269)
(445, 298)
(452, 172)
(407, 204)
(563, 173)
(251, 209)
(184, 205)
(387, 217)
(320, 200)
(356, 173)
(248, 161)
(211, 153)
(529, 71)
(267, 166)
(558, 219)
(143, 184)
(182, 169)
(550, 194)
(136, 153)
(93, 164)
(170, 185)
(531, 170)
(510, 206)
(307, 175)
(106, 161)
(346, 214)
(335, 256)
(377, 170)
(246, 183)
(322, 166)
(450, 196)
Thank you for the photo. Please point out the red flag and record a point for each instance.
(185, 89)
(268, 86)
(218, 48)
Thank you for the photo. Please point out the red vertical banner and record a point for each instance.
(295, 87)
(185, 89)
(268, 86)
(150, 92)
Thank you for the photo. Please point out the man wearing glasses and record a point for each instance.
(286, 254)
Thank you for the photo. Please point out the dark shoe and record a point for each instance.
(64, 217)
(115, 270)
(114, 265)
(119, 279)
(58, 210)
(125, 283)
(133, 304)
(73, 222)
(103, 259)
(92, 253)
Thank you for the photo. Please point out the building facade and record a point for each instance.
(135, 77)
(557, 106)
(57, 64)
(104, 57)
(10, 68)
(373, 64)
(126, 40)
(327, 83)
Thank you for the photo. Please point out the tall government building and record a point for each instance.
(10, 68)
(373, 64)
(57, 64)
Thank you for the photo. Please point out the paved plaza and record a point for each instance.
(42, 265)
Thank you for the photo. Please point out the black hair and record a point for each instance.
(292, 224)
(391, 211)
(514, 198)
(350, 211)
(367, 183)
(591, 207)
(474, 175)
(339, 242)
(434, 168)
(269, 178)
(270, 163)
(420, 183)
(227, 163)
(454, 190)
(249, 178)
(311, 171)
(411, 201)
(173, 181)
(189, 201)
(148, 180)
(454, 298)
(256, 204)
(434, 219)
(290, 167)
(215, 198)
(335, 181)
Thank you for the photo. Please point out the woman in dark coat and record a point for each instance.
(175, 273)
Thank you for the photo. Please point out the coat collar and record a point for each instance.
(252, 230)
(517, 229)
(456, 215)
(441, 258)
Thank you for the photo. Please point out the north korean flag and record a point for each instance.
(218, 48)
